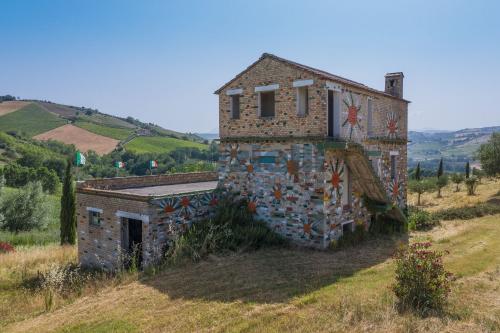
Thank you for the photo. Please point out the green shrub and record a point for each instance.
(24, 210)
(467, 213)
(471, 184)
(350, 238)
(422, 284)
(232, 228)
(419, 219)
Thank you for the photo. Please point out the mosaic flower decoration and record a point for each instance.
(396, 191)
(210, 199)
(168, 205)
(231, 152)
(392, 123)
(186, 207)
(336, 170)
(353, 119)
(277, 192)
(253, 202)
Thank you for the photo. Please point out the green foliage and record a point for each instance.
(421, 186)
(350, 238)
(31, 120)
(417, 172)
(6, 98)
(18, 176)
(44, 236)
(471, 184)
(24, 210)
(157, 144)
(457, 178)
(441, 182)
(232, 228)
(489, 155)
(68, 208)
(440, 169)
(118, 133)
(422, 284)
(468, 212)
(419, 219)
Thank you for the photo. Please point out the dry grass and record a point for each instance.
(450, 199)
(295, 291)
(81, 138)
(11, 106)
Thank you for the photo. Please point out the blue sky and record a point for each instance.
(160, 61)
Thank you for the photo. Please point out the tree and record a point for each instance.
(457, 178)
(440, 168)
(440, 183)
(417, 172)
(24, 210)
(489, 155)
(471, 184)
(467, 170)
(420, 187)
(68, 208)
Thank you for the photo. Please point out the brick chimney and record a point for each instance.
(394, 84)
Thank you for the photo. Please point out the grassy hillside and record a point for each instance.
(118, 133)
(272, 290)
(31, 119)
(160, 144)
(455, 147)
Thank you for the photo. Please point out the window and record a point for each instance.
(393, 166)
(302, 101)
(94, 218)
(235, 106)
(370, 117)
(266, 104)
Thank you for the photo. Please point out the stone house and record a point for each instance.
(304, 146)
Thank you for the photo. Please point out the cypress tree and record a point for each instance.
(440, 168)
(417, 172)
(467, 170)
(68, 208)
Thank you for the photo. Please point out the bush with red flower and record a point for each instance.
(422, 284)
(6, 247)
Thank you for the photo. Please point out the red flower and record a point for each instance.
(6, 247)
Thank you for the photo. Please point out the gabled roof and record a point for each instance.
(319, 72)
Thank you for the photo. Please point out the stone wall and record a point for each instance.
(299, 189)
(389, 117)
(145, 181)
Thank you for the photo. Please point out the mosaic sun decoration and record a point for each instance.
(168, 205)
(186, 207)
(210, 199)
(231, 152)
(336, 170)
(353, 113)
(392, 123)
(396, 191)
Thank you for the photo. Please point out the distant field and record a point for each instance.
(157, 144)
(106, 120)
(111, 132)
(31, 119)
(11, 106)
(81, 138)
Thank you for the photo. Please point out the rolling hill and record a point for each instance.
(89, 129)
(456, 147)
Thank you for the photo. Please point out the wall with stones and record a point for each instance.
(389, 117)
(296, 188)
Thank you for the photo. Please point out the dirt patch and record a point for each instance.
(82, 139)
(11, 106)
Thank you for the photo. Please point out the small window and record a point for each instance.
(370, 117)
(94, 218)
(235, 106)
(266, 103)
(393, 166)
(302, 101)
